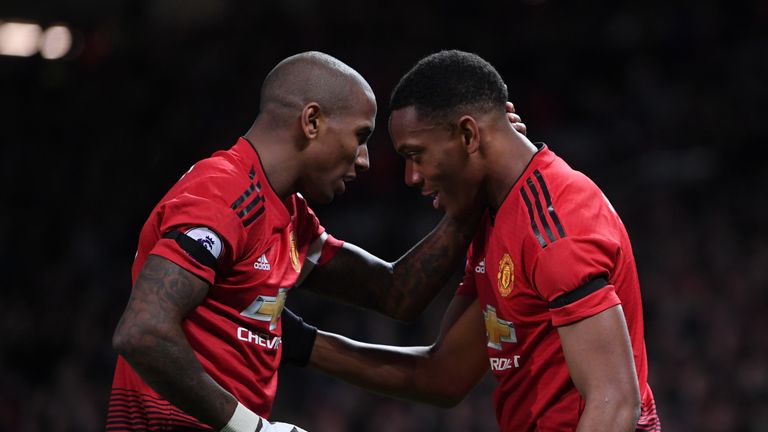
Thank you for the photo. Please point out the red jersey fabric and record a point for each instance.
(264, 245)
(555, 253)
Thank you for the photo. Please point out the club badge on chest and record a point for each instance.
(506, 275)
(294, 253)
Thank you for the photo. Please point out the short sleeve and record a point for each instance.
(322, 246)
(572, 275)
(467, 286)
(189, 214)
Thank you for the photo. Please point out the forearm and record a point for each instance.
(440, 374)
(399, 372)
(419, 275)
(402, 289)
(167, 363)
(609, 414)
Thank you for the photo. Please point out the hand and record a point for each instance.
(281, 427)
(515, 119)
(245, 420)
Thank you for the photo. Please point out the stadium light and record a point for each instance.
(25, 39)
(19, 39)
(56, 42)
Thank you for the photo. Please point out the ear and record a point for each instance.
(470, 134)
(310, 120)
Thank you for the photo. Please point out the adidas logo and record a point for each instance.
(262, 263)
(480, 267)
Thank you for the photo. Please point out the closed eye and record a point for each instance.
(413, 155)
(363, 135)
(408, 150)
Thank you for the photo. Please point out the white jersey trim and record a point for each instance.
(314, 253)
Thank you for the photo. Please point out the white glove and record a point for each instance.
(245, 420)
(280, 427)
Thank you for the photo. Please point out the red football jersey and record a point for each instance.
(262, 246)
(554, 253)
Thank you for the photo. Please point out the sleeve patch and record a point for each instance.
(208, 239)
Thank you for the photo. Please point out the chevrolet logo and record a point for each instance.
(267, 308)
(497, 330)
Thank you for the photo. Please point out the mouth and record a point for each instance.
(341, 187)
(435, 198)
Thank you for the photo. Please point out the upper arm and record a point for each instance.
(188, 241)
(598, 352)
(164, 293)
(150, 337)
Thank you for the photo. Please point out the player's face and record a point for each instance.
(344, 150)
(436, 161)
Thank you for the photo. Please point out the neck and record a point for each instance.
(278, 156)
(508, 156)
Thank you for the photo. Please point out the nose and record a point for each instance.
(412, 175)
(362, 163)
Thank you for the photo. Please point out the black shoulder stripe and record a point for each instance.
(259, 199)
(255, 216)
(540, 210)
(548, 200)
(535, 227)
(243, 197)
(247, 193)
(193, 248)
(579, 293)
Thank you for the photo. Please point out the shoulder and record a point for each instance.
(220, 183)
(561, 182)
(219, 176)
(211, 193)
(565, 202)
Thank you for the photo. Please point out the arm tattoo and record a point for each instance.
(401, 289)
(149, 336)
(425, 269)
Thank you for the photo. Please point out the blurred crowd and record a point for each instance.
(663, 105)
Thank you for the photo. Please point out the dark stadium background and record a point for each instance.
(664, 105)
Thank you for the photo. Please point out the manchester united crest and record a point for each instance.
(294, 253)
(506, 275)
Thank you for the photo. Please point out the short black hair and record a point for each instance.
(445, 82)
